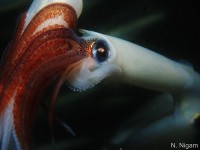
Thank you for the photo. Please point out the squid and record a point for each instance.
(46, 51)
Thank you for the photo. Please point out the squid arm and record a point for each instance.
(40, 54)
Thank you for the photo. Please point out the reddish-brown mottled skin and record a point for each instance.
(32, 62)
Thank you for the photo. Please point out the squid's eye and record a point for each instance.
(100, 51)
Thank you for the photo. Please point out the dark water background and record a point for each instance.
(112, 115)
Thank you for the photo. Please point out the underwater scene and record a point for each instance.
(130, 97)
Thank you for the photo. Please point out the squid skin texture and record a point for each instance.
(40, 53)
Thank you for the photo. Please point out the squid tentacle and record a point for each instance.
(44, 46)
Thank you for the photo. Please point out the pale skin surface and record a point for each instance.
(145, 68)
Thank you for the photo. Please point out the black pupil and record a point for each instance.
(100, 50)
